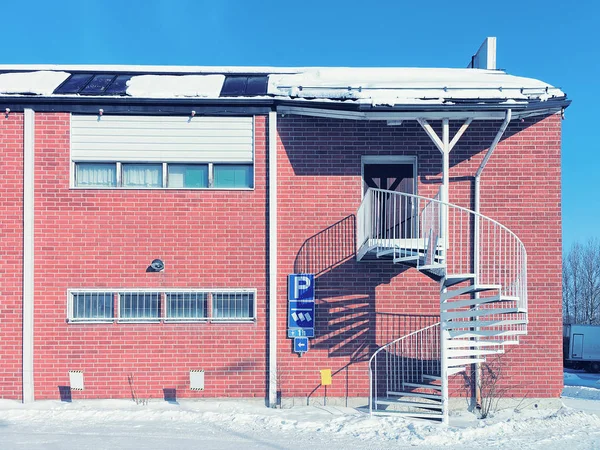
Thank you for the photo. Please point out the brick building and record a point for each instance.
(413, 196)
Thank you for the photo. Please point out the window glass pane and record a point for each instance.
(186, 305)
(187, 175)
(96, 174)
(233, 176)
(92, 305)
(139, 305)
(233, 305)
(142, 175)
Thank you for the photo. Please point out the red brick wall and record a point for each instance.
(361, 304)
(88, 238)
(217, 239)
(11, 254)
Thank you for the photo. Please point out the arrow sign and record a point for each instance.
(300, 345)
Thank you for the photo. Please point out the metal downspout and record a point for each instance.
(477, 201)
(272, 259)
(28, 252)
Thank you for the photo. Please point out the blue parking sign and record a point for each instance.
(301, 286)
(301, 314)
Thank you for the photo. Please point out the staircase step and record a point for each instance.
(484, 333)
(430, 416)
(402, 259)
(478, 313)
(437, 387)
(455, 370)
(464, 361)
(478, 301)
(469, 290)
(433, 377)
(457, 278)
(437, 405)
(460, 343)
(480, 324)
(436, 273)
(387, 251)
(414, 394)
(472, 352)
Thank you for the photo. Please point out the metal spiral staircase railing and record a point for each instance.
(482, 269)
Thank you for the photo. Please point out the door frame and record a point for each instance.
(387, 159)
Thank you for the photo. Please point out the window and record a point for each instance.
(92, 306)
(233, 305)
(228, 176)
(179, 176)
(96, 175)
(180, 305)
(186, 305)
(139, 305)
(187, 176)
(142, 175)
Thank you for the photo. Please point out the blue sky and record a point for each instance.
(556, 42)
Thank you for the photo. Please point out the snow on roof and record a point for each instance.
(39, 83)
(373, 86)
(409, 85)
(168, 86)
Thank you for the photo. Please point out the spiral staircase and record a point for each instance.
(482, 269)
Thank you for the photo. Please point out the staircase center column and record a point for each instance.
(444, 335)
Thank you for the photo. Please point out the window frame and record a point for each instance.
(206, 317)
(165, 177)
(120, 318)
(71, 300)
(235, 319)
(162, 306)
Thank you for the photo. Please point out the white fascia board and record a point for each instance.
(400, 115)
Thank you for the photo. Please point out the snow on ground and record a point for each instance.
(213, 424)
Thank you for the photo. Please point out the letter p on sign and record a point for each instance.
(301, 286)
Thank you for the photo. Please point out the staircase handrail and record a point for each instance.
(516, 287)
(380, 349)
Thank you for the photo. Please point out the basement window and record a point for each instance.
(140, 306)
(186, 306)
(91, 306)
(146, 305)
(233, 306)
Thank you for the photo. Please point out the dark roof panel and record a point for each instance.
(74, 84)
(244, 86)
(118, 86)
(257, 85)
(234, 86)
(98, 84)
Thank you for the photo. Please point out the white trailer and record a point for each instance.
(581, 347)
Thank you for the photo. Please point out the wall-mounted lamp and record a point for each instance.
(100, 111)
(193, 113)
(6, 112)
(156, 266)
